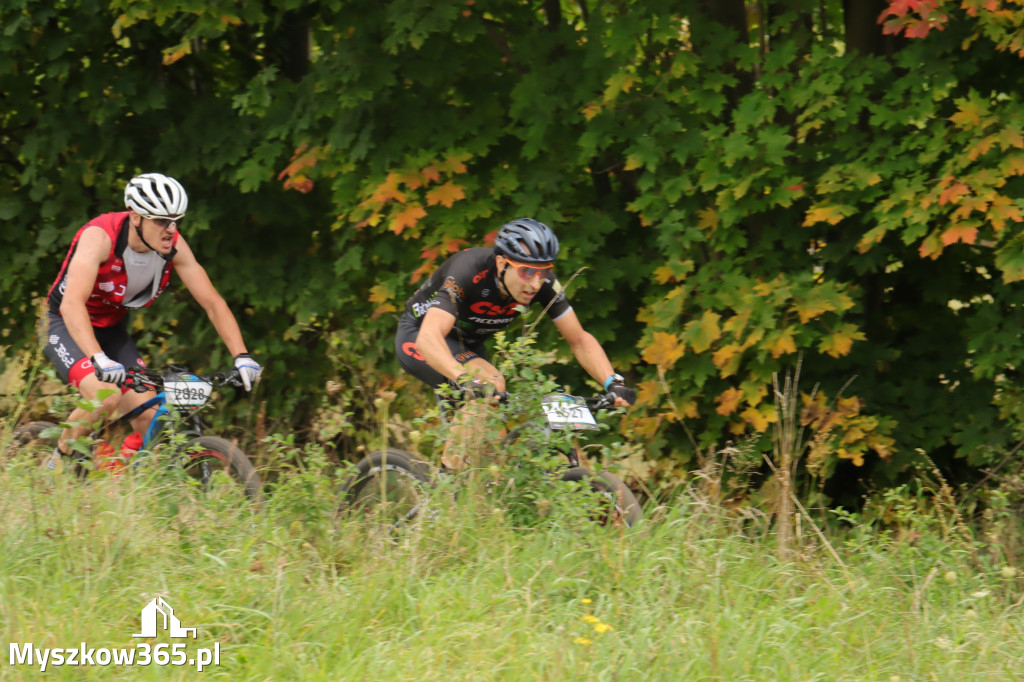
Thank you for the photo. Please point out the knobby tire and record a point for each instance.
(623, 507)
(206, 454)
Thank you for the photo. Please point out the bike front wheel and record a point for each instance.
(207, 455)
(619, 506)
(388, 486)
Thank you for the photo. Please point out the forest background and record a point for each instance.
(750, 187)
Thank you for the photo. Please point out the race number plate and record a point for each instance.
(567, 412)
(187, 390)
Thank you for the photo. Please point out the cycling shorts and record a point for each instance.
(413, 363)
(71, 363)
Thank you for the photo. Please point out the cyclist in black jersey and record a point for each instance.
(480, 291)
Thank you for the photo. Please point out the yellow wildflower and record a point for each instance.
(591, 619)
(601, 628)
(582, 640)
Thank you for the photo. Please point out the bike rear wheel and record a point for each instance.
(28, 441)
(206, 455)
(619, 506)
(388, 486)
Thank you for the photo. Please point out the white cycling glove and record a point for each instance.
(107, 370)
(248, 369)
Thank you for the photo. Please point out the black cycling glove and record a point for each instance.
(620, 390)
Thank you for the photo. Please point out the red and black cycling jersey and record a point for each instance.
(466, 285)
(106, 303)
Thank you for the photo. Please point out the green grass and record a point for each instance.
(297, 594)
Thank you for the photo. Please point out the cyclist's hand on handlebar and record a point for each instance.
(248, 369)
(624, 395)
(476, 388)
(107, 370)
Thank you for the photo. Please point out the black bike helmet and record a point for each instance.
(526, 240)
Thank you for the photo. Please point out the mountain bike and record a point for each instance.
(394, 486)
(180, 395)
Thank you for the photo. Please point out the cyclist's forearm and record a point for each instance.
(436, 354)
(592, 357)
(76, 319)
(227, 327)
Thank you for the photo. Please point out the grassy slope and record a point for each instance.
(296, 594)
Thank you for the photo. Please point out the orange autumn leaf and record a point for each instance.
(430, 174)
(647, 393)
(960, 233)
(664, 350)
(446, 195)
(728, 401)
(406, 219)
(953, 193)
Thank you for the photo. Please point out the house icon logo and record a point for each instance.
(150, 621)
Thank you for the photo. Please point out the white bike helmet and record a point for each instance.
(153, 195)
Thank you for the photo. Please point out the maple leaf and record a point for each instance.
(446, 195)
(664, 350)
(379, 293)
(962, 232)
(430, 174)
(931, 246)
(899, 8)
(387, 191)
(420, 272)
(1013, 165)
(953, 193)
(591, 110)
(634, 161)
(840, 342)
(727, 358)
(406, 218)
(830, 214)
(1002, 210)
(455, 162)
(647, 393)
(303, 157)
(453, 245)
(412, 180)
(856, 457)
(382, 309)
(782, 344)
(664, 274)
(703, 332)
(755, 418)
(299, 183)
(173, 54)
(810, 308)
(728, 401)
(970, 112)
(708, 219)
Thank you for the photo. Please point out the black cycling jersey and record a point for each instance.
(466, 285)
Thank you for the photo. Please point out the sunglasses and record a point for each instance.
(528, 272)
(164, 223)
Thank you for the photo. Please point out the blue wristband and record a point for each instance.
(612, 378)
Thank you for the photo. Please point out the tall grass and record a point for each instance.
(298, 593)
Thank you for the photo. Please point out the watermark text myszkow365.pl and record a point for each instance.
(156, 613)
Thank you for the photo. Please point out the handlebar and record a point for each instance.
(142, 379)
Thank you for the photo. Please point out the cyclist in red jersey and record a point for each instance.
(119, 261)
(479, 291)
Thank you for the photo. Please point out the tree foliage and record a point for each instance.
(745, 184)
